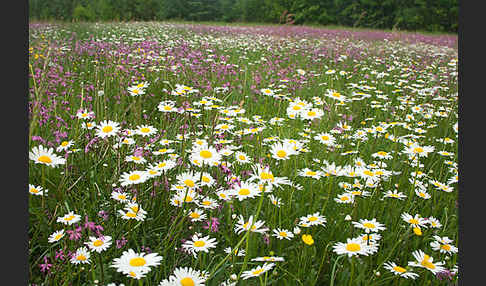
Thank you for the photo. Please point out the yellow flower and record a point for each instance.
(307, 238)
(417, 231)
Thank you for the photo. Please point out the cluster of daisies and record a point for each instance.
(195, 188)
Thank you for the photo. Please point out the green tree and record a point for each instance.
(82, 13)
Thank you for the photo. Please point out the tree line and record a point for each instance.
(411, 15)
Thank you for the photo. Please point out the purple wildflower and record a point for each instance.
(46, 266)
(75, 234)
(445, 274)
(120, 243)
(146, 249)
(103, 214)
(86, 149)
(266, 239)
(59, 254)
(213, 223)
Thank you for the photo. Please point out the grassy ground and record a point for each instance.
(339, 137)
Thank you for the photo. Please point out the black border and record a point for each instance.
(15, 45)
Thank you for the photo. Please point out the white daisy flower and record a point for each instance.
(81, 256)
(99, 244)
(199, 243)
(136, 264)
(69, 218)
(56, 236)
(42, 155)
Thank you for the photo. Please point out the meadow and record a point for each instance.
(190, 154)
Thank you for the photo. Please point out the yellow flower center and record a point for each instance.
(266, 176)
(137, 261)
(34, 190)
(187, 281)
(427, 263)
(418, 150)
(58, 236)
(311, 173)
(145, 130)
(64, 143)
(281, 153)
(283, 233)
(399, 269)
(130, 214)
(45, 159)
(344, 199)
(368, 173)
(446, 247)
(69, 218)
(189, 183)
(199, 243)
(167, 108)
(206, 154)
(194, 215)
(353, 247)
(336, 94)
(413, 221)
(81, 257)
(161, 165)
(134, 177)
(257, 272)
(98, 242)
(311, 113)
(369, 225)
(107, 129)
(205, 179)
(366, 237)
(244, 192)
(312, 218)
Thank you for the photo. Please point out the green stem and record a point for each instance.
(352, 272)
(248, 231)
(334, 270)
(101, 270)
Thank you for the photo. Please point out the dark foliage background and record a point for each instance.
(411, 15)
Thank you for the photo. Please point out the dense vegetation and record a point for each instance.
(423, 15)
(176, 154)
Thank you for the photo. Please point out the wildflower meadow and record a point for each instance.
(164, 153)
